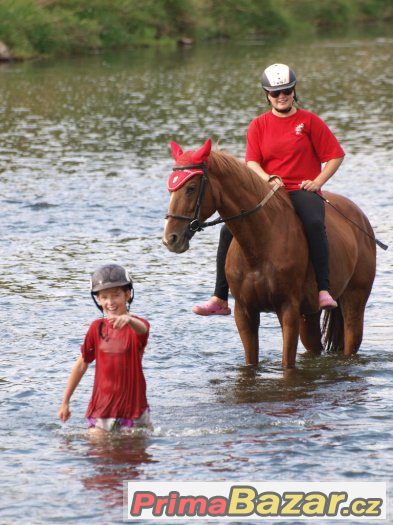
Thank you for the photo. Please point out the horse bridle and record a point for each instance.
(195, 223)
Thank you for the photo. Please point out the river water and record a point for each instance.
(84, 161)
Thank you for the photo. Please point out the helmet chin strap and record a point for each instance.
(287, 110)
(93, 295)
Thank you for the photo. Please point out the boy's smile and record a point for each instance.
(114, 301)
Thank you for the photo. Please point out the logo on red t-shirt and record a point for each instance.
(299, 129)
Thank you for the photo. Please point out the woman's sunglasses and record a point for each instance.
(275, 94)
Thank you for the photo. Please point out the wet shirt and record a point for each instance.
(119, 384)
(292, 147)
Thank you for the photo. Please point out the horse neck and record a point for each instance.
(241, 190)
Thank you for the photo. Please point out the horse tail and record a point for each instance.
(333, 330)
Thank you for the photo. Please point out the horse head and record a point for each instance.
(190, 202)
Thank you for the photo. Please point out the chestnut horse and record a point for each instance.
(267, 266)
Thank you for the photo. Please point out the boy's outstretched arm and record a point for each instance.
(77, 372)
(137, 325)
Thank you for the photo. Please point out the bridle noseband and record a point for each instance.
(195, 223)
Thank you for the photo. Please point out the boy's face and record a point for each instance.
(114, 301)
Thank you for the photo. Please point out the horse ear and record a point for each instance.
(176, 150)
(202, 153)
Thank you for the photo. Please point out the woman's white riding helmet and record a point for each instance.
(277, 77)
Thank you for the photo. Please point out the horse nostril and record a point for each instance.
(172, 239)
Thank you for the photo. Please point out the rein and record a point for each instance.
(195, 224)
(379, 243)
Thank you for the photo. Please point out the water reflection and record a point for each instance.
(113, 460)
(322, 379)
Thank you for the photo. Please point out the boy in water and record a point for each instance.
(117, 343)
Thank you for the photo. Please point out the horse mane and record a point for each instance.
(222, 162)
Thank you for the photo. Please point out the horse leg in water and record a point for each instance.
(353, 302)
(247, 322)
(289, 318)
(352, 305)
(310, 332)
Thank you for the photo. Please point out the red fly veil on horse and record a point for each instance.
(179, 177)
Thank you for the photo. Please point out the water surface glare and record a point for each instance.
(84, 162)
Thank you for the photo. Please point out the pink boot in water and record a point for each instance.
(326, 301)
(211, 308)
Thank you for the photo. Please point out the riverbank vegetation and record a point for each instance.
(32, 28)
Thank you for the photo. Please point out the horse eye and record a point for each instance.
(190, 190)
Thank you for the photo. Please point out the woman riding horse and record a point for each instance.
(267, 266)
(288, 144)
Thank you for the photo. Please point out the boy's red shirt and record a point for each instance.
(119, 384)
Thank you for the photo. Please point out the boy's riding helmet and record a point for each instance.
(110, 276)
(277, 77)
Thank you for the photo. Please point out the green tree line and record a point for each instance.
(62, 27)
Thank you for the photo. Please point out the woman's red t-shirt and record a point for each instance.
(119, 384)
(292, 147)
